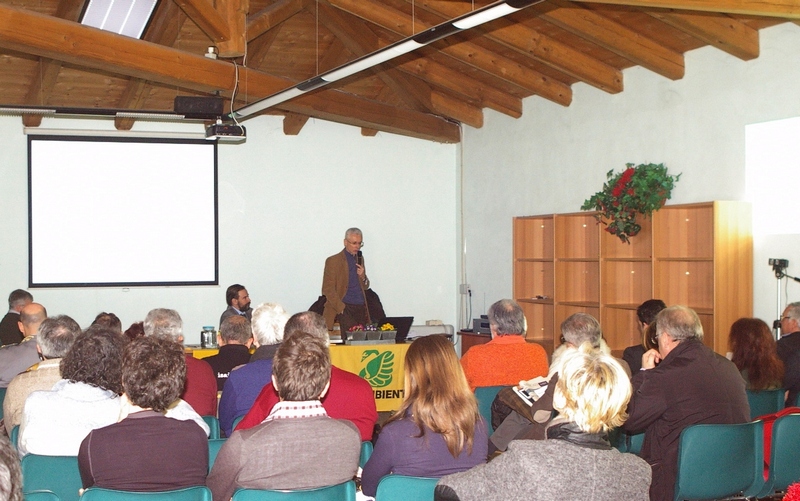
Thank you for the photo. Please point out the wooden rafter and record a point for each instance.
(613, 36)
(271, 16)
(540, 47)
(723, 32)
(788, 9)
(474, 55)
(45, 36)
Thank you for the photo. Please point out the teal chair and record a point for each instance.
(339, 492)
(236, 421)
(212, 423)
(485, 396)
(40, 496)
(720, 460)
(199, 493)
(763, 402)
(2, 398)
(618, 439)
(635, 442)
(214, 445)
(366, 452)
(403, 488)
(58, 474)
(14, 437)
(784, 467)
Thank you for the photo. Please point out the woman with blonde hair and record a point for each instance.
(576, 460)
(437, 430)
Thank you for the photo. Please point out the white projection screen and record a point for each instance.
(122, 212)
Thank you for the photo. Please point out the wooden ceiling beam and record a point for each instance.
(163, 29)
(293, 123)
(614, 37)
(540, 47)
(469, 53)
(206, 17)
(788, 9)
(723, 32)
(271, 16)
(235, 14)
(454, 81)
(45, 36)
(43, 82)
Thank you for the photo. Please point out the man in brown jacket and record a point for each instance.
(344, 284)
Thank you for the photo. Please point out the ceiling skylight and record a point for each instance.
(124, 17)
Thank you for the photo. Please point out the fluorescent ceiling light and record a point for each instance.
(123, 17)
(469, 20)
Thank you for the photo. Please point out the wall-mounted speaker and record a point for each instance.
(200, 107)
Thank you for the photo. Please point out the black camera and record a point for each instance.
(779, 263)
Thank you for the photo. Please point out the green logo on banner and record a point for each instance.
(377, 367)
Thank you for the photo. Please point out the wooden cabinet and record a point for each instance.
(698, 255)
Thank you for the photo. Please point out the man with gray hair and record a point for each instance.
(682, 383)
(245, 382)
(201, 385)
(507, 359)
(789, 351)
(55, 338)
(350, 396)
(9, 332)
(234, 338)
(344, 283)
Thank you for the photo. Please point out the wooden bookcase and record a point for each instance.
(699, 255)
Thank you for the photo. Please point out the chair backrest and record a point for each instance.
(403, 488)
(720, 460)
(214, 445)
(213, 424)
(58, 474)
(635, 442)
(366, 452)
(40, 496)
(199, 493)
(236, 421)
(784, 468)
(2, 398)
(764, 402)
(339, 492)
(485, 396)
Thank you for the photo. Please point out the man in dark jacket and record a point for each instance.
(691, 385)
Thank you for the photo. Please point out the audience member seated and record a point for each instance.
(54, 422)
(576, 461)
(298, 446)
(645, 314)
(108, 320)
(9, 330)
(789, 351)
(350, 396)
(234, 338)
(136, 330)
(531, 422)
(10, 473)
(755, 354)
(146, 451)
(17, 358)
(690, 385)
(245, 382)
(55, 338)
(507, 359)
(201, 386)
(438, 429)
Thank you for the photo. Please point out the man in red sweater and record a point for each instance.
(349, 397)
(507, 359)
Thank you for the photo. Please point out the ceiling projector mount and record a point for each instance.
(226, 132)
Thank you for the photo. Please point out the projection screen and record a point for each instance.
(122, 212)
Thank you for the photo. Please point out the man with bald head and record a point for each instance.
(16, 358)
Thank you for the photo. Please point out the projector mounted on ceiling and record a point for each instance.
(228, 133)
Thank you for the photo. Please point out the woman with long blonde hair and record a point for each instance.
(437, 430)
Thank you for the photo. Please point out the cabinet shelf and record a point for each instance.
(699, 255)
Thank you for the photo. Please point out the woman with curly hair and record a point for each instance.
(438, 429)
(755, 354)
(55, 422)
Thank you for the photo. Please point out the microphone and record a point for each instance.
(360, 258)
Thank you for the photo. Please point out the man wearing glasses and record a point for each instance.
(344, 284)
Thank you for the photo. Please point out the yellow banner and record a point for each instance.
(382, 365)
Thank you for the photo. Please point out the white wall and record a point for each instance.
(553, 158)
(284, 204)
